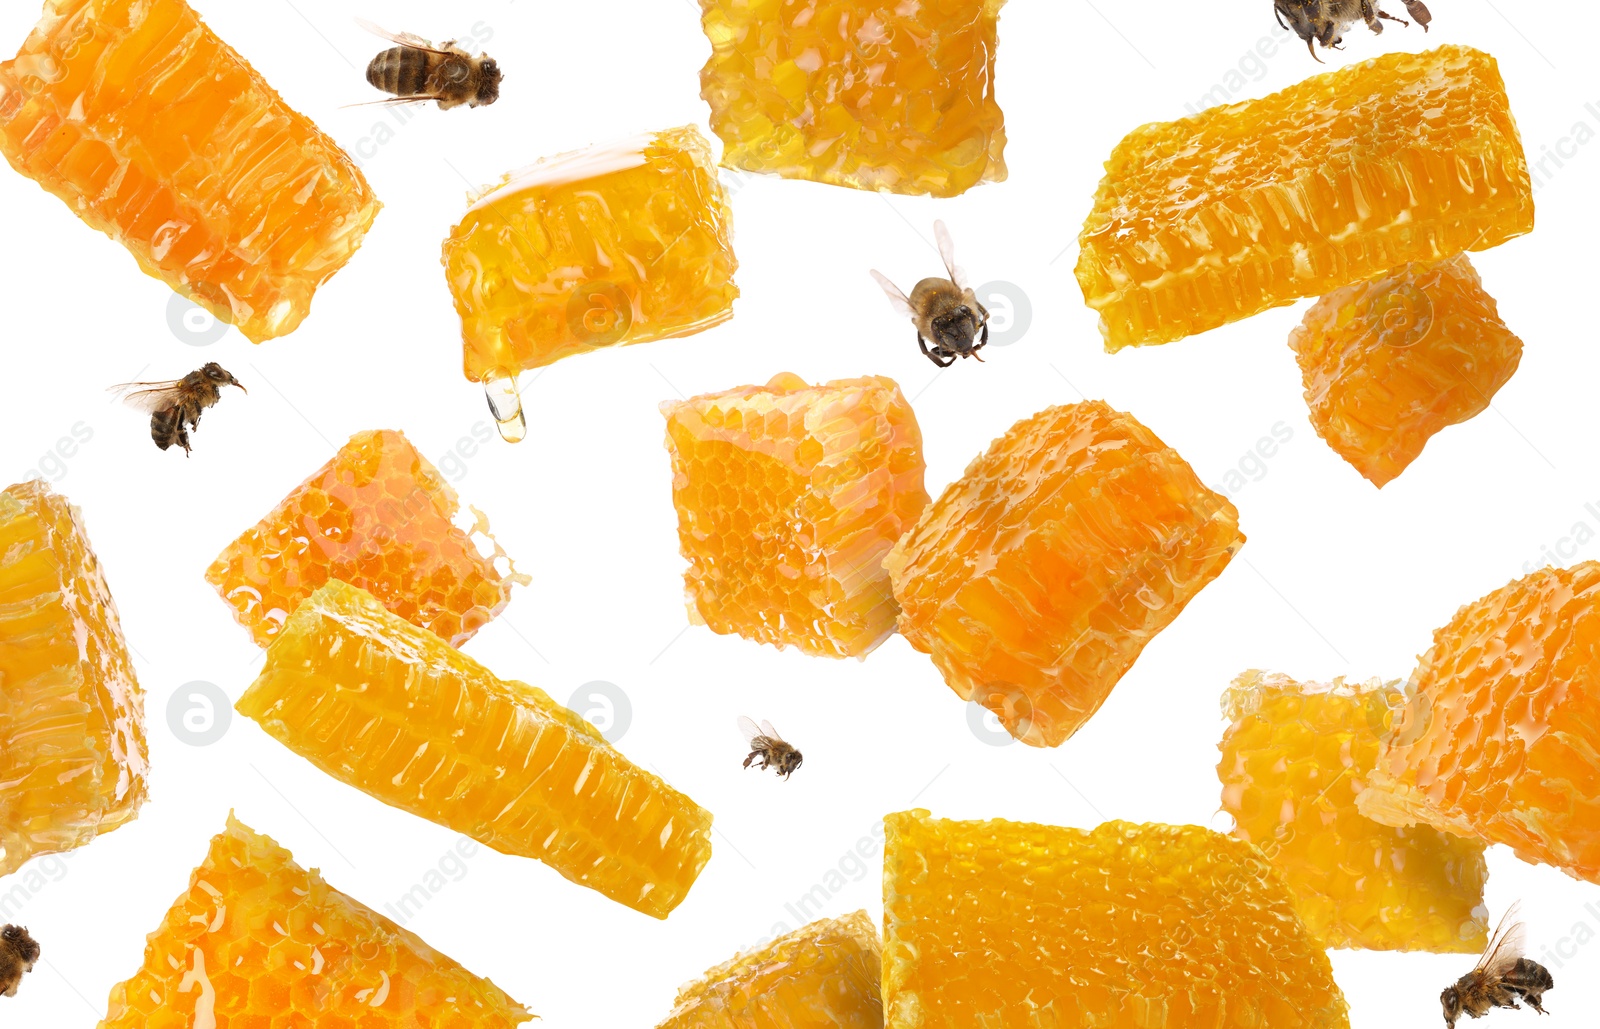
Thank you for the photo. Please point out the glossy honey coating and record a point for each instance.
(1294, 759)
(257, 942)
(1037, 927)
(401, 715)
(1390, 361)
(789, 496)
(73, 757)
(1035, 579)
(1500, 735)
(380, 516)
(160, 135)
(620, 243)
(1203, 221)
(881, 94)
(821, 976)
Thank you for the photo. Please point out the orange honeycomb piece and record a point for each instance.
(821, 976)
(620, 243)
(1201, 222)
(160, 135)
(879, 94)
(1391, 361)
(378, 516)
(1035, 580)
(73, 758)
(257, 942)
(1156, 926)
(1293, 762)
(1499, 738)
(401, 715)
(788, 498)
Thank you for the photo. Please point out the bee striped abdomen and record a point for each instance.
(165, 426)
(400, 70)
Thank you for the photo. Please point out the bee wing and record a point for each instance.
(396, 101)
(403, 38)
(149, 397)
(947, 250)
(769, 732)
(1506, 945)
(748, 726)
(897, 299)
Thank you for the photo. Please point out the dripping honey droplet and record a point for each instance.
(505, 403)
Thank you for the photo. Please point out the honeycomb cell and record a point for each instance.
(1156, 926)
(73, 758)
(160, 135)
(620, 243)
(1391, 361)
(821, 976)
(1036, 579)
(401, 715)
(1248, 206)
(1500, 737)
(879, 94)
(378, 516)
(257, 942)
(788, 498)
(1294, 760)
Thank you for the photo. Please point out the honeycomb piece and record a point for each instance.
(403, 716)
(621, 243)
(879, 94)
(73, 759)
(1201, 222)
(1500, 738)
(378, 516)
(257, 942)
(157, 133)
(1035, 580)
(1156, 926)
(1391, 361)
(1293, 762)
(788, 498)
(821, 976)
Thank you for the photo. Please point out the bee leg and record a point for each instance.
(1279, 12)
(1419, 13)
(1389, 17)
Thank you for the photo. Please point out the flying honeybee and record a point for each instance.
(766, 744)
(416, 71)
(1324, 21)
(175, 405)
(945, 311)
(1499, 978)
(18, 952)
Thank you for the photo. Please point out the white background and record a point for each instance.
(1337, 577)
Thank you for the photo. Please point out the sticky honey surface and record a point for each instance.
(162, 136)
(1200, 222)
(789, 497)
